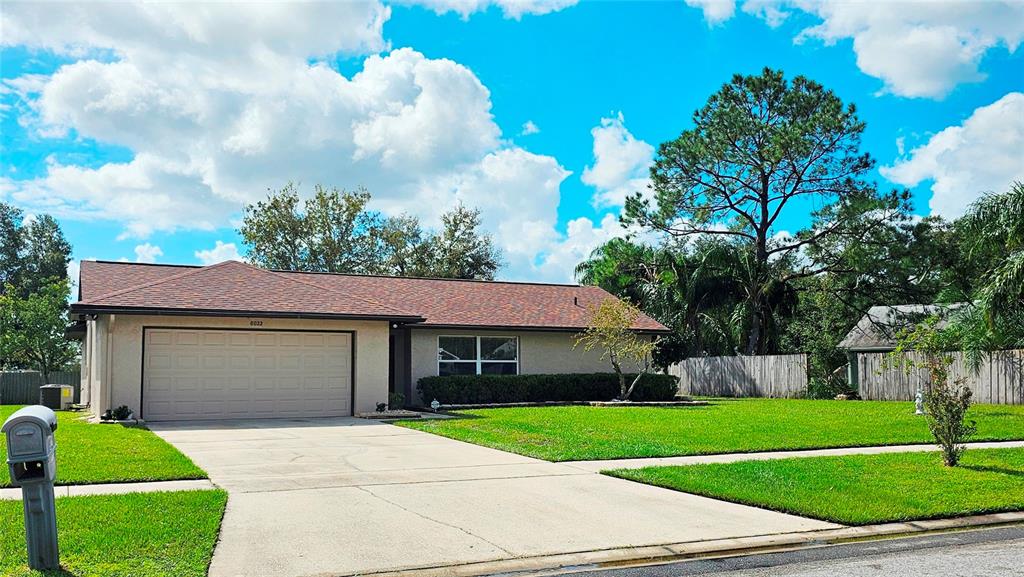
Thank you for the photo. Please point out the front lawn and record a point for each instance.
(94, 453)
(728, 426)
(151, 534)
(857, 489)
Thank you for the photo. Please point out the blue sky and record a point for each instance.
(145, 134)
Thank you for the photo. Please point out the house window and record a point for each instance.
(459, 355)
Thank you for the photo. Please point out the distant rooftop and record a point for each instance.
(877, 330)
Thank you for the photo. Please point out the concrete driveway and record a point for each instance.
(344, 496)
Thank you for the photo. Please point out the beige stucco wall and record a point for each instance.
(540, 352)
(116, 355)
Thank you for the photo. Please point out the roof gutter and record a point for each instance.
(550, 329)
(87, 309)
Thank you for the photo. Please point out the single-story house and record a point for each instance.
(878, 331)
(232, 340)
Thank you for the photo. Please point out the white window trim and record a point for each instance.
(479, 361)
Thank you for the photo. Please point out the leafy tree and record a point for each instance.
(11, 243)
(610, 331)
(761, 148)
(460, 250)
(333, 231)
(32, 254)
(32, 328)
(406, 251)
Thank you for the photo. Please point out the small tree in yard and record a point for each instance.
(611, 331)
(946, 403)
(32, 329)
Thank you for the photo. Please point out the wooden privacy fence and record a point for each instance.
(999, 379)
(22, 387)
(742, 376)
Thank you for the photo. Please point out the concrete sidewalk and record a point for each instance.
(596, 466)
(349, 496)
(14, 494)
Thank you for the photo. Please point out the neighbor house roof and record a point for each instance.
(234, 287)
(877, 330)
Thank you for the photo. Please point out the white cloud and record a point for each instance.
(147, 253)
(917, 48)
(984, 154)
(515, 9)
(518, 194)
(715, 11)
(621, 163)
(529, 128)
(74, 267)
(214, 121)
(581, 238)
(220, 252)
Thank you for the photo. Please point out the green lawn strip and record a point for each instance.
(857, 489)
(735, 426)
(151, 534)
(94, 453)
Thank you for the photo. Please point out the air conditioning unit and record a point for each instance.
(57, 397)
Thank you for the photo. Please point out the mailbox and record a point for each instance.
(30, 445)
(31, 453)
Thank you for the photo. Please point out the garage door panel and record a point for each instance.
(210, 374)
(186, 338)
(214, 339)
(237, 339)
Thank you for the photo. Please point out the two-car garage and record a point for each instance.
(233, 374)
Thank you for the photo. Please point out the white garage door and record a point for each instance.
(224, 374)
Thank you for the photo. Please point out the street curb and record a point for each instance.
(658, 554)
(14, 493)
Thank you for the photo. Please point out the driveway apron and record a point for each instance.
(342, 496)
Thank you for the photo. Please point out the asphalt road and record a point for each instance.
(997, 552)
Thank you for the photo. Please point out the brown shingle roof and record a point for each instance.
(229, 287)
(441, 302)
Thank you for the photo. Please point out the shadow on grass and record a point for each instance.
(1000, 470)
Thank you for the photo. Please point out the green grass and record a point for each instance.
(731, 426)
(857, 489)
(151, 534)
(94, 453)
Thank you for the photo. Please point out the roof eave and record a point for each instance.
(85, 309)
(538, 328)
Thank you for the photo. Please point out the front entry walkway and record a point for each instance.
(341, 496)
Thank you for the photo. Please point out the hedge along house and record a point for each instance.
(232, 340)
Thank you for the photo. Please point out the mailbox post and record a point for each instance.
(30, 458)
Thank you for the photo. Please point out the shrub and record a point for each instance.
(946, 409)
(479, 389)
(396, 400)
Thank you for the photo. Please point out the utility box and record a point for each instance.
(57, 397)
(31, 461)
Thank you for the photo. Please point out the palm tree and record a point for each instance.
(994, 226)
(993, 229)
